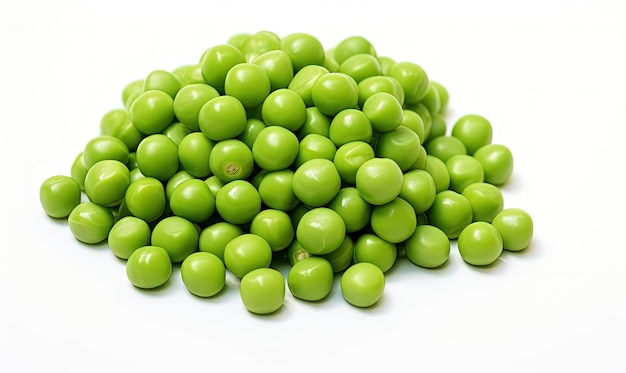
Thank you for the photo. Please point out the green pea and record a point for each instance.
(342, 257)
(177, 235)
(238, 40)
(486, 200)
(157, 156)
(176, 132)
(193, 154)
(379, 180)
(363, 285)
(78, 170)
(163, 81)
(451, 212)
(106, 182)
(370, 248)
(127, 235)
(276, 192)
(188, 102)
(277, 66)
(439, 172)
(474, 131)
(104, 147)
(360, 66)
(330, 64)
(394, 221)
(316, 182)
(402, 145)
(315, 123)
(192, 200)
(350, 125)
(314, 146)
(284, 107)
(304, 80)
(334, 92)
(251, 131)
(310, 279)
(320, 231)
(464, 170)
(352, 208)
(384, 111)
(420, 162)
(231, 160)
(90, 223)
(149, 267)
(413, 79)
(238, 202)
(444, 147)
(248, 83)
(515, 227)
(275, 148)
(351, 46)
(259, 43)
(480, 244)
(145, 198)
(375, 84)
(443, 95)
(296, 253)
(263, 291)
(428, 247)
(188, 75)
(152, 111)
(303, 49)
(431, 100)
(386, 63)
(439, 126)
(132, 88)
(215, 184)
(175, 181)
(246, 253)
(117, 123)
(222, 118)
(349, 157)
(275, 227)
(497, 162)
(419, 190)
(427, 118)
(217, 61)
(59, 195)
(203, 274)
(414, 122)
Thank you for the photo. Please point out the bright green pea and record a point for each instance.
(413, 79)
(394, 221)
(350, 125)
(163, 81)
(176, 132)
(59, 195)
(246, 253)
(464, 170)
(311, 279)
(296, 253)
(480, 244)
(248, 83)
(497, 162)
(420, 162)
(106, 182)
(314, 146)
(349, 157)
(474, 131)
(316, 182)
(257, 44)
(414, 122)
(127, 235)
(222, 118)
(130, 89)
(217, 61)
(444, 147)
(276, 191)
(363, 284)
(439, 172)
(379, 180)
(443, 94)
(175, 181)
(451, 212)
(428, 247)
(515, 227)
(188, 102)
(375, 84)
(401, 145)
(203, 274)
(90, 223)
(135, 174)
(149, 267)
(231, 160)
(370, 248)
(117, 123)
(352, 208)
(315, 123)
(275, 227)
(384, 111)
(438, 127)
(277, 66)
(152, 111)
(78, 170)
(104, 147)
(263, 291)
(320, 231)
(249, 134)
(188, 75)
(486, 200)
(236, 40)
(303, 49)
(238, 202)
(353, 45)
(215, 184)
(342, 257)
(275, 148)
(427, 118)
(133, 96)
(194, 152)
(330, 64)
(419, 190)
(361, 66)
(157, 156)
(192, 200)
(304, 80)
(284, 107)
(385, 64)
(431, 100)
(145, 198)
(215, 237)
(177, 235)
(334, 92)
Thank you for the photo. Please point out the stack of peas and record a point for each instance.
(338, 160)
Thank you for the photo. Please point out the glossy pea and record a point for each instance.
(192, 200)
(370, 248)
(106, 182)
(363, 285)
(428, 247)
(217, 61)
(127, 235)
(284, 107)
(474, 130)
(464, 170)
(188, 102)
(515, 226)
(497, 162)
(203, 274)
(157, 156)
(310, 279)
(149, 267)
(486, 200)
(145, 198)
(90, 223)
(451, 212)
(480, 244)
(177, 235)
(214, 238)
(246, 253)
(262, 291)
(152, 111)
(59, 195)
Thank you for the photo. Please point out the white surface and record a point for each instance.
(550, 77)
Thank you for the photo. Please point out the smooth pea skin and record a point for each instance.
(304, 80)
(334, 92)
(362, 285)
(104, 147)
(263, 291)
(316, 182)
(163, 81)
(361, 66)
(203, 274)
(352, 208)
(353, 45)
(277, 66)
(157, 156)
(303, 49)
(369, 86)
(413, 79)
(284, 107)
(149, 267)
(188, 102)
(217, 61)
(349, 157)
(315, 123)
(418, 189)
(177, 235)
(464, 170)
(439, 172)
(444, 147)
(215, 237)
(350, 125)
(275, 148)
(320, 231)
(497, 162)
(59, 195)
(106, 182)
(192, 200)
(342, 257)
(486, 200)
(90, 223)
(379, 180)
(315, 146)
(193, 154)
(275, 227)
(401, 144)
(428, 247)
(311, 279)
(127, 235)
(474, 131)
(276, 191)
(117, 123)
(238, 202)
(145, 198)
(248, 83)
(370, 248)
(250, 133)
(451, 212)
(516, 228)
(78, 170)
(152, 111)
(480, 244)
(246, 253)
(222, 118)
(394, 221)
(231, 160)
(384, 111)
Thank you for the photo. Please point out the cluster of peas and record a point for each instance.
(339, 160)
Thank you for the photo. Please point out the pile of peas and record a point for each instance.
(337, 160)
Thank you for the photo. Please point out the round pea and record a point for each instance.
(192, 200)
(157, 156)
(486, 200)
(350, 125)
(443, 95)
(106, 182)
(176, 132)
(203, 274)
(363, 285)
(152, 111)
(353, 45)
(349, 157)
(188, 102)
(217, 61)
(428, 247)
(127, 235)
(275, 227)
(149, 267)
(384, 111)
(361, 66)
(451, 212)
(515, 227)
(334, 92)
(90, 223)
(394, 221)
(222, 118)
(315, 123)
(263, 291)
(277, 66)
(259, 43)
(310, 279)
(352, 208)
(194, 152)
(284, 107)
(104, 147)
(444, 147)
(59, 195)
(379, 180)
(314, 146)
(439, 172)
(275, 148)
(117, 123)
(188, 75)
(130, 89)
(438, 127)
(238, 202)
(214, 238)
(413, 79)
(497, 162)
(374, 84)
(414, 122)
(250, 133)
(480, 244)
(418, 189)
(474, 131)
(370, 248)
(342, 257)
(246, 253)
(276, 192)
(163, 81)
(303, 49)
(431, 100)
(401, 145)
(316, 182)
(304, 80)
(78, 170)
(320, 231)
(231, 160)
(175, 181)
(145, 198)
(248, 83)
(464, 170)
(177, 235)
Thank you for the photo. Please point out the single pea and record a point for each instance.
(214, 238)
(428, 247)
(414, 122)
(315, 123)
(188, 75)
(349, 157)
(192, 200)
(419, 190)
(413, 79)
(352, 208)
(194, 152)
(353, 45)
(275, 148)
(149, 267)
(203, 274)
(275, 227)
(117, 123)
(402, 145)
(163, 81)
(296, 253)
(320, 231)
(177, 235)
(497, 162)
(263, 291)
(375, 84)
(238, 202)
(104, 147)
(222, 118)
(175, 181)
(246, 253)
(438, 127)
(379, 180)
(303, 81)
(420, 162)
(257, 44)
(127, 235)
(385, 64)
(251, 131)
(360, 66)
(439, 172)
(341, 258)
(284, 107)
(394, 221)
(303, 49)
(152, 111)
(515, 227)
(231, 160)
(370, 248)
(363, 285)
(90, 223)
(248, 83)
(78, 170)
(236, 40)
(384, 111)
(176, 132)
(350, 125)
(277, 66)
(451, 212)
(316, 182)
(106, 182)
(314, 146)
(464, 170)
(215, 184)
(217, 61)
(474, 131)
(276, 191)
(443, 94)
(59, 195)
(431, 100)
(486, 200)
(444, 147)
(145, 198)
(131, 89)
(480, 244)
(334, 92)
(157, 156)
(310, 279)
(188, 102)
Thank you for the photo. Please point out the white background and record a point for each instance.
(549, 75)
